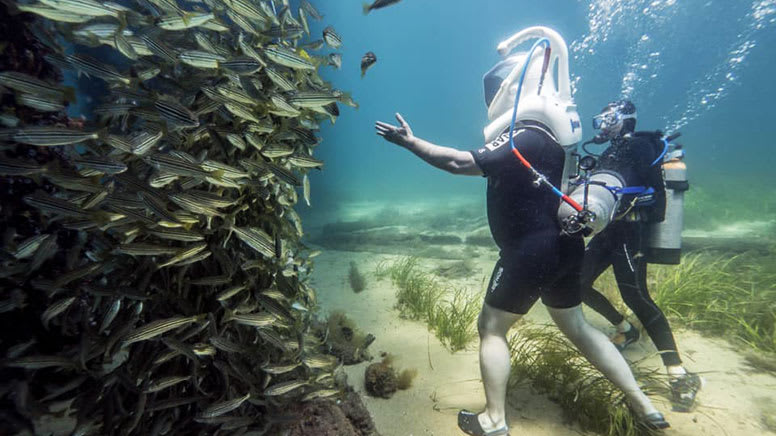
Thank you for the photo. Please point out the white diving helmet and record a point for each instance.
(543, 101)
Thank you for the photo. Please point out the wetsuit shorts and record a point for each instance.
(541, 264)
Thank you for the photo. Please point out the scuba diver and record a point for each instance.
(624, 244)
(527, 154)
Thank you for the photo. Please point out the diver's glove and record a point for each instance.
(578, 223)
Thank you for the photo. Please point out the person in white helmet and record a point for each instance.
(524, 159)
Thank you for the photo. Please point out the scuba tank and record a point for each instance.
(665, 238)
(600, 193)
(597, 193)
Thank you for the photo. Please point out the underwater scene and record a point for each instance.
(393, 217)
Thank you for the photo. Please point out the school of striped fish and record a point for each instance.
(163, 278)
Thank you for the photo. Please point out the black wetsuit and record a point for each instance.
(535, 259)
(623, 244)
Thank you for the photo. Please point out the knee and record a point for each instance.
(492, 322)
(484, 325)
(570, 321)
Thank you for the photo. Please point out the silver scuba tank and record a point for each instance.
(664, 243)
(602, 201)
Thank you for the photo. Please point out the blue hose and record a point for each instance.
(665, 150)
(541, 41)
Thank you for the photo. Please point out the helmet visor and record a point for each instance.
(495, 76)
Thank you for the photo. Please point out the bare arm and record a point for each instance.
(445, 158)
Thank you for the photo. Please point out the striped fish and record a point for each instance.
(102, 164)
(17, 167)
(176, 114)
(279, 80)
(194, 259)
(226, 345)
(265, 125)
(159, 327)
(41, 103)
(242, 22)
(289, 31)
(54, 14)
(202, 349)
(122, 44)
(235, 95)
(321, 393)
(311, 99)
(100, 30)
(276, 150)
(144, 141)
(55, 309)
(148, 73)
(310, 9)
(143, 249)
(331, 37)
(83, 7)
(241, 111)
(225, 170)
(306, 190)
(110, 315)
(93, 67)
(29, 246)
(175, 234)
(160, 179)
(200, 59)
(233, 138)
(47, 203)
(184, 254)
(211, 199)
(216, 25)
(287, 58)
(279, 369)
(164, 383)
(157, 207)
(46, 250)
(283, 388)
(247, 9)
(242, 65)
(186, 21)
(51, 136)
(262, 319)
(187, 203)
(283, 174)
(248, 50)
(41, 362)
(223, 407)
(160, 49)
(282, 108)
(176, 165)
(229, 293)
(304, 161)
(257, 239)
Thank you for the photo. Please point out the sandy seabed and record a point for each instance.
(731, 403)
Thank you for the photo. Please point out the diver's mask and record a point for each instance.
(610, 121)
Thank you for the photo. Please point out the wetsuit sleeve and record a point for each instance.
(495, 157)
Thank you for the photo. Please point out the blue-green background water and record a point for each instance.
(703, 67)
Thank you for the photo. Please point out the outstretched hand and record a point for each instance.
(401, 135)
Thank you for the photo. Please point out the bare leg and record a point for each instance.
(597, 348)
(493, 325)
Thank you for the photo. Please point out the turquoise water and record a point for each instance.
(701, 67)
